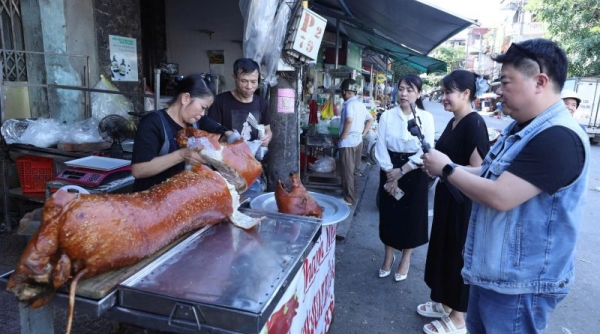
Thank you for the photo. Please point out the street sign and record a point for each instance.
(380, 78)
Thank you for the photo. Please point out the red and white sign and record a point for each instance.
(307, 305)
(309, 33)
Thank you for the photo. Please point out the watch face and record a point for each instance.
(448, 169)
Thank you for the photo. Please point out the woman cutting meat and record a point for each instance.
(156, 156)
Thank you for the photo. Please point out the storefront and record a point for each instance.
(128, 42)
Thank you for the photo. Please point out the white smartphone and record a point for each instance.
(399, 194)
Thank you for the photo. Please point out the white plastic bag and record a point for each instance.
(43, 132)
(85, 131)
(323, 165)
(104, 104)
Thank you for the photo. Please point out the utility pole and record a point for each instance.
(480, 58)
(466, 67)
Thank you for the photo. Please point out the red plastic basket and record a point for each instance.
(34, 172)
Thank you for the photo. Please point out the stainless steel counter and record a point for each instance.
(222, 280)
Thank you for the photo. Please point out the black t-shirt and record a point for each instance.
(149, 139)
(551, 160)
(459, 143)
(233, 113)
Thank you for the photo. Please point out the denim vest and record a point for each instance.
(529, 249)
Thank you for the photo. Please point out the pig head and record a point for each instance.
(296, 201)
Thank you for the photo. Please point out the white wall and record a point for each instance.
(188, 47)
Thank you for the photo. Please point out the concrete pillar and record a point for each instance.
(36, 69)
(284, 149)
(45, 29)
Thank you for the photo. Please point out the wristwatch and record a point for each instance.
(448, 170)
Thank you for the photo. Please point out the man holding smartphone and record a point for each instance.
(528, 197)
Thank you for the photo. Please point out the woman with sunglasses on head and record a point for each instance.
(156, 156)
(402, 218)
(465, 140)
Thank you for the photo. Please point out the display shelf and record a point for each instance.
(320, 145)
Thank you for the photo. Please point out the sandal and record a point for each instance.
(432, 310)
(449, 327)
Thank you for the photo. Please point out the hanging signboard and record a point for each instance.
(123, 58)
(309, 28)
(380, 78)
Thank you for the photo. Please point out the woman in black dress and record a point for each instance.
(402, 222)
(465, 141)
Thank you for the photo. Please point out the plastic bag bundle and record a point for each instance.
(323, 165)
(257, 26)
(43, 132)
(274, 44)
(104, 104)
(85, 131)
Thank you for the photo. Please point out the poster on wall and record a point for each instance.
(216, 65)
(124, 59)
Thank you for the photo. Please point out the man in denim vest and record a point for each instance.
(528, 197)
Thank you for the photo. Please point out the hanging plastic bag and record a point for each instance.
(327, 110)
(104, 104)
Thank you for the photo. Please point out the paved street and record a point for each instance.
(368, 304)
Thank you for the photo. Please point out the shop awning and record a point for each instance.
(404, 30)
(393, 50)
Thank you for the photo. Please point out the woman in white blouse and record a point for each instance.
(402, 222)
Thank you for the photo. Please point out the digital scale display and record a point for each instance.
(94, 171)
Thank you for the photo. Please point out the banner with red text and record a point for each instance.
(307, 305)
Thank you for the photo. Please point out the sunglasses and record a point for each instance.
(524, 52)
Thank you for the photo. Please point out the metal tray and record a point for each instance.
(225, 278)
(93, 307)
(334, 210)
(98, 163)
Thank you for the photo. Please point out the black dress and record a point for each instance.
(403, 223)
(451, 219)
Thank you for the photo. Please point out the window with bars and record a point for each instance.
(11, 41)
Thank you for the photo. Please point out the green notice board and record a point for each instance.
(354, 59)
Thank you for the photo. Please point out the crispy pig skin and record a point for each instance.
(234, 161)
(101, 232)
(296, 201)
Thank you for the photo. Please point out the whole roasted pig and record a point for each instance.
(84, 235)
(296, 201)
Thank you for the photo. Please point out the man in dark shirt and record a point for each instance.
(240, 107)
(528, 197)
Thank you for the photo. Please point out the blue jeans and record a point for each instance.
(490, 312)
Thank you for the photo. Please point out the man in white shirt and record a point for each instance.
(354, 124)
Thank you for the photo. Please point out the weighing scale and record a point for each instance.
(94, 171)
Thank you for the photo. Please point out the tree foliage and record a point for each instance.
(401, 70)
(454, 56)
(575, 25)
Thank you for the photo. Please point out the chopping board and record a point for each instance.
(83, 147)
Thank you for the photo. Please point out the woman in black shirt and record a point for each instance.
(156, 156)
